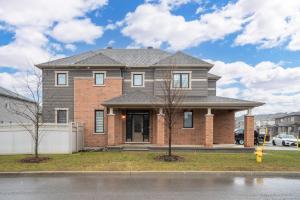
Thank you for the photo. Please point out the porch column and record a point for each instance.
(209, 129)
(160, 128)
(111, 128)
(249, 129)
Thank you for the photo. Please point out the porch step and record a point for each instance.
(135, 149)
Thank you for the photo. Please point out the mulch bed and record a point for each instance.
(34, 159)
(167, 158)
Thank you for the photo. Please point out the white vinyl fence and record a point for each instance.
(54, 138)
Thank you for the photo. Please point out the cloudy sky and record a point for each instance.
(254, 44)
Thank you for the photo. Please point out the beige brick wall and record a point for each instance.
(88, 98)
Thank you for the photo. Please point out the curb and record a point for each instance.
(232, 173)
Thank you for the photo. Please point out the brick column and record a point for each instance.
(209, 131)
(160, 129)
(111, 129)
(249, 131)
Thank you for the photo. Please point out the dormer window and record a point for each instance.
(181, 80)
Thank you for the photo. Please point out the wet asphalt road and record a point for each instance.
(149, 186)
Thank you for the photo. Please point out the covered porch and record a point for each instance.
(138, 119)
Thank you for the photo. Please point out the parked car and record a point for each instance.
(239, 137)
(284, 140)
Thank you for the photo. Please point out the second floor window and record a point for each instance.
(181, 80)
(137, 79)
(61, 79)
(99, 78)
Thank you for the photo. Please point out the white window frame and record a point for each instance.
(67, 117)
(138, 73)
(67, 78)
(94, 78)
(182, 72)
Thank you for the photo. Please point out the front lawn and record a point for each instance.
(144, 161)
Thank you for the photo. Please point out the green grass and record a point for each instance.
(138, 161)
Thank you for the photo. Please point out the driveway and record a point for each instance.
(146, 186)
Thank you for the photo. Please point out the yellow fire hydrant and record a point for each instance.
(259, 154)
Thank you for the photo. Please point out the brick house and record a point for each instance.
(112, 92)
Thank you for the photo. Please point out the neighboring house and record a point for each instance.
(114, 93)
(9, 101)
(261, 122)
(288, 123)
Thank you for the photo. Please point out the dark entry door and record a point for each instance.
(137, 126)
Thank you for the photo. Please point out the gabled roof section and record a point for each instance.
(183, 60)
(135, 57)
(98, 59)
(10, 94)
(71, 60)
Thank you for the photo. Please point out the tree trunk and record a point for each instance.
(36, 142)
(170, 140)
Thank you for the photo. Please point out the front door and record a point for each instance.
(137, 126)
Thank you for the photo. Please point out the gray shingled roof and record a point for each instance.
(127, 57)
(182, 59)
(213, 76)
(136, 57)
(99, 59)
(142, 99)
(10, 94)
(288, 114)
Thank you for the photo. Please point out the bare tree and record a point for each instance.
(171, 103)
(30, 112)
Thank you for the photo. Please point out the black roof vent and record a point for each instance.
(149, 47)
(109, 47)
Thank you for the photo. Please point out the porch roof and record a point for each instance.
(140, 99)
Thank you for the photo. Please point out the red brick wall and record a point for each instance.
(209, 130)
(249, 131)
(224, 123)
(87, 99)
(223, 126)
(188, 136)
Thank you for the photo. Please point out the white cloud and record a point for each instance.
(33, 21)
(77, 31)
(70, 47)
(15, 82)
(267, 23)
(267, 82)
(111, 43)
